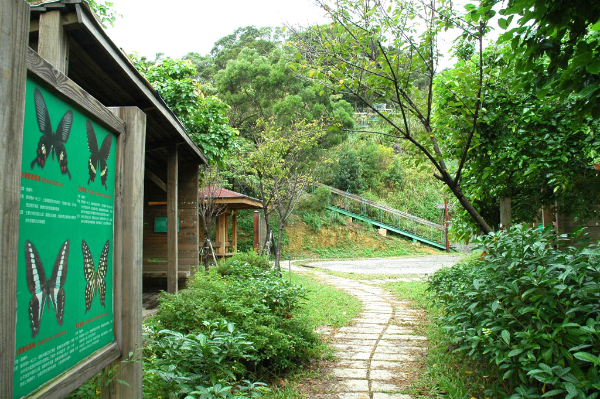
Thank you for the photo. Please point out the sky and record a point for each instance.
(184, 26)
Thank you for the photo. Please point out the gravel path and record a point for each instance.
(401, 266)
(378, 351)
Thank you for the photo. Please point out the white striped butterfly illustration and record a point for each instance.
(95, 279)
(45, 289)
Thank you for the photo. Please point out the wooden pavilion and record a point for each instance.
(232, 202)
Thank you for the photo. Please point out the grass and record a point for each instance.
(324, 306)
(448, 374)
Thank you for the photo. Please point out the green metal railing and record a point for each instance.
(385, 217)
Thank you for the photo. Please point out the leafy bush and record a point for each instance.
(530, 309)
(258, 301)
(244, 263)
(198, 365)
(313, 220)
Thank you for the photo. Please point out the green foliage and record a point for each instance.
(203, 117)
(347, 174)
(558, 41)
(529, 308)
(260, 303)
(536, 150)
(199, 365)
(313, 220)
(244, 264)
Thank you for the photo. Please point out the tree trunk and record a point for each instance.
(278, 248)
(477, 218)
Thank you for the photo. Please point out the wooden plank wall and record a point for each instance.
(155, 244)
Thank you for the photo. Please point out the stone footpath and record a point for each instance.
(377, 352)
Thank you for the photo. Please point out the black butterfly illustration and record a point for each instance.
(51, 141)
(94, 278)
(97, 157)
(44, 289)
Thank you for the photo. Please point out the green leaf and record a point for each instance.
(587, 357)
(515, 352)
(505, 336)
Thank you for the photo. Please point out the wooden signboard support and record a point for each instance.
(14, 33)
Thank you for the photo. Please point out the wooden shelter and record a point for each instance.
(61, 48)
(84, 53)
(233, 202)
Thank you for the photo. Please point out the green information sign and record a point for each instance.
(160, 225)
(65, 264)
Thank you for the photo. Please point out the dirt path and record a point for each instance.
(378, 352)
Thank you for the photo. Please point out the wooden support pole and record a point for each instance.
(53, 44)
(505, 212)
(172, 214)
(234, 237)
(221, 233)
(128, 244)
(256, 244)
(446, 226)
(14, 34)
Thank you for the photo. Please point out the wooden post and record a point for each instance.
(53, 44)
(446, 225)
(505, 212)
(14, 34)
(256, 244)
(172, 214)
(234, 231)
(189, 232)
(129, 238)
(221, 233)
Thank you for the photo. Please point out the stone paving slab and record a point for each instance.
(378, 350)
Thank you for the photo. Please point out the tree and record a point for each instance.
(203, 117)
(372, 50)
(538, 151)
(211, 184)
(259, 87)
(559, 41)
(278, 165)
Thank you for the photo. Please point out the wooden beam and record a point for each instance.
(128, 244)
(14, 36)
(221, 233)
(71, 92)
(53, 45)
(172, 214)
(66, 20)
(256, 244)
(156, 180)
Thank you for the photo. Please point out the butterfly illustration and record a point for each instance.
(44, 289)
(94, 278)
(51, 141)
(97, 157)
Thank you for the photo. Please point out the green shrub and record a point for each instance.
(530, 309)
(260, 303)
(205, 365)
(244, 263)
(313, 220)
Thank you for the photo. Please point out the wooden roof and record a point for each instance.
(104, 71)
(234, 200)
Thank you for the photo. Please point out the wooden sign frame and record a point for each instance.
(129, 125)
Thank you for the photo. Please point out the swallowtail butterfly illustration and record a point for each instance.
(97, 157)
(45, 289)
(94, 278)
(51, 141)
